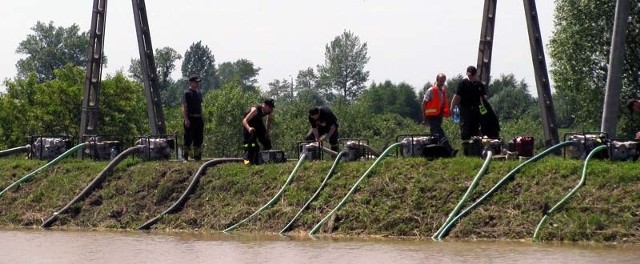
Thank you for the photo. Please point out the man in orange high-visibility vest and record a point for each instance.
(435, 106)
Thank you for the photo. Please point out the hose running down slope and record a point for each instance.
(51, 163)
(190, 189)
(94, 184)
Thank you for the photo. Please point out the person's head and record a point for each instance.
(441, 79)
(633, 105)
(471, 72)
(267, 106)
(194, 81)
(314, 113)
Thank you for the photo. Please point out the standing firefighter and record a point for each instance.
(193, 122)
(254, 129)
(324, 124)
(435, 107)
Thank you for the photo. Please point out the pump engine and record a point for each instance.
(155, 148)
(585, 144)
(48, 148)
(624, 150)
(102, 150)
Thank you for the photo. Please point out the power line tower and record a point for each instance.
(90, 101)
(547, 110)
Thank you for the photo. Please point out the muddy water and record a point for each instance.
(39, 246)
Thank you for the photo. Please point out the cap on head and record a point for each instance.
(472, 70)
(314, 111)
(194, 78)
(269, 102)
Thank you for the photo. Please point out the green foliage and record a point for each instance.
(280, 90)
(165, 61)
(50, 48)
(241, 71)
(123, 111)
(579, 50)
(510, 99)
(307, 79)
(54, 107)
(343, 71)
(199, 60)
(223, 112)
(389, 98)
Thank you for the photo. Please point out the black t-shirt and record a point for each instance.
(193, 99)
(470, 94)
(326, 118)
(256, 120)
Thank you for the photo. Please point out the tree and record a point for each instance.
(307, 79)
(343, 70)
(165, 60)
(579, 49)
(199, 60)
(510, 99)
(28, 109)
(50, 48)
(224, 109)
(242, 71)
(280, 90)
(389, 98)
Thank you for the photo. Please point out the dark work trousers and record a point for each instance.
(435, 128)
(250, 143)
(194, 134)
(322, 130)
(469, 123)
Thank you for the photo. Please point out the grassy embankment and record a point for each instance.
(403, 197)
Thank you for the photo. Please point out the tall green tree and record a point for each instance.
(307, 79)
(242, 71)
(199, 60)
(400, 99)
(50, 48)
(280, 90)
(579, 49)
(510, 98)
(343, 70)
(165, 60)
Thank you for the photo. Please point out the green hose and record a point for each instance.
(8, 152)
(51, 163)
(190, 189)
(94, 184)
(472, 188)
(317, 227)
(302, 159)
(571, 193)
(313, 197)
(502, 182)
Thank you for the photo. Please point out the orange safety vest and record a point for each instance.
(433, 106)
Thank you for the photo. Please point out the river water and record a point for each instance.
(42, 246)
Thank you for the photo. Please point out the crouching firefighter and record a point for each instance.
(324, 124)
(435, 107)
(254, 129)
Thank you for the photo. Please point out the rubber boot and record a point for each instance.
(444, 141)
(197, 153)
(185, 153)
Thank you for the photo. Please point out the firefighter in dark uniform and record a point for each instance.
(193, 122)
(254, 129)
(324, 124)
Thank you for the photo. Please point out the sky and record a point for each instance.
(408, 41)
